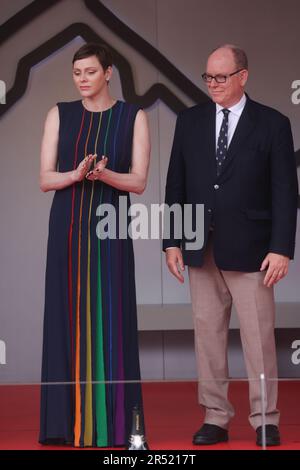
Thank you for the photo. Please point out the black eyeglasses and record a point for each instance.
(218, 78)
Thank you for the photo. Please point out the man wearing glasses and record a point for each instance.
(236, 157)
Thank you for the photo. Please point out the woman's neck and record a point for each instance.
(98, 103)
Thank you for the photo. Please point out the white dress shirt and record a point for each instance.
(233, 118)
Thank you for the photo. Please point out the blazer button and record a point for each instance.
(216, 186)
(209, 210)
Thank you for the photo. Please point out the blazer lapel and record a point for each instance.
(207, 123)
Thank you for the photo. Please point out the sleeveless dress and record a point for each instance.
(90, 364)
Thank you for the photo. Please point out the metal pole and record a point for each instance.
(263, 410)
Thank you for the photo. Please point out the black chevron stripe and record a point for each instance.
(23, 17)
(159, 61)
(157, 91)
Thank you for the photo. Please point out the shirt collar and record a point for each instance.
(237, 108)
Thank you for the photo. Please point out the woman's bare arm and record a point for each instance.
(50, 178)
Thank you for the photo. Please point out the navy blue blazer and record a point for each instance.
(252, 204)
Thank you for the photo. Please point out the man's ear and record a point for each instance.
(244, 77)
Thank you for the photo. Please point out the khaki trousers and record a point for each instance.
(212, 292)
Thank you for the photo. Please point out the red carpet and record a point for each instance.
(172, 416)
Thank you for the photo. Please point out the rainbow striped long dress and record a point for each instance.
(90, 347)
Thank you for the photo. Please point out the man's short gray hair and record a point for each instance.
(240, 56)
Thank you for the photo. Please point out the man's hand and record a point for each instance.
(277, 268)
(175, 263)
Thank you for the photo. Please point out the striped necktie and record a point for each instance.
(222, 141)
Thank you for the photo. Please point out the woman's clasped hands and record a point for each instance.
(95, 173)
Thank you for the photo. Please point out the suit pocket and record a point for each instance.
(259, 214)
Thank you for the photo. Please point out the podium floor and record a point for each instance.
(172, 416)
